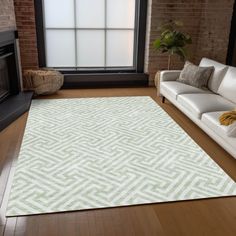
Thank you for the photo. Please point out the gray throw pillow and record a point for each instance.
(195, 76)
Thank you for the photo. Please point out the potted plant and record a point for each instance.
(172, 41)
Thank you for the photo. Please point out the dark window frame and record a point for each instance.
(139, 42)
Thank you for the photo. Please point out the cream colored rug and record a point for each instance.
(91, 153)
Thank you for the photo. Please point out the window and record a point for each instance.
(90, 33)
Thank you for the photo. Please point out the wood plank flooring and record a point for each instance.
(208, 217)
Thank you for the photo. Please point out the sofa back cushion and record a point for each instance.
(227, 88)
(218, 74)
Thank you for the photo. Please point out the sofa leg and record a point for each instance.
(163, 99)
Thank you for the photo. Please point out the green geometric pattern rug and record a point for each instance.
(91, 153)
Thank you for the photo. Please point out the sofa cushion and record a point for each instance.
(227, 88)
(198, 104)
(212, 121)
(174, 88)
(195, 76)
(217, 75)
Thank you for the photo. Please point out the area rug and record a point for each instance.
(89, 153)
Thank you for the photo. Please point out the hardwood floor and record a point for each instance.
(187, 218)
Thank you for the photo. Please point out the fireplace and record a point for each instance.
(13, 102)
(9, 68)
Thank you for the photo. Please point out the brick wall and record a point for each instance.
(25, 21)
(7, 16)
(214, 30)
(207, 21)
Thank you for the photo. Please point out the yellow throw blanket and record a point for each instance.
(228, 118)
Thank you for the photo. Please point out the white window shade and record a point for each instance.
(120, 13)
(120, 44)
(59, 13)
(60, 48)
(89, 33)
(90, 13)
(91, 48)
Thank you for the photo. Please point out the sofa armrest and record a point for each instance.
(169, 75)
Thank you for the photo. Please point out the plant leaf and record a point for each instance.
(172, 39)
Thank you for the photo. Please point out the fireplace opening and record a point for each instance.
(4, 79)
(9, 82)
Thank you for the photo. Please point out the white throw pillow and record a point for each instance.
(227, 87)
(217, 75)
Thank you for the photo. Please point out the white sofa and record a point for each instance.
(205, 106)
